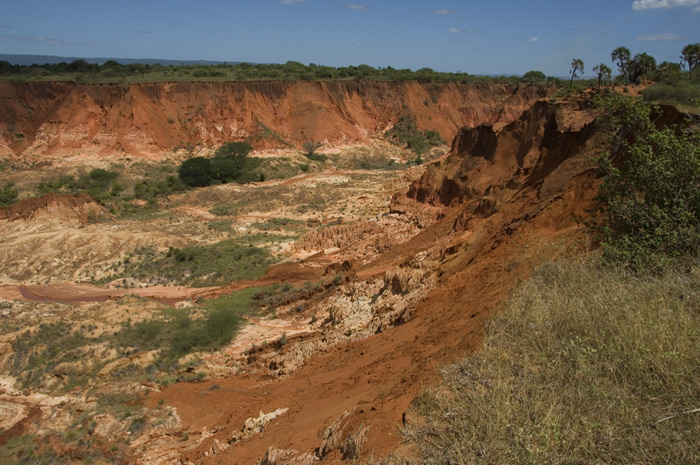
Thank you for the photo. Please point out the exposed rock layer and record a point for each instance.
(61, 119)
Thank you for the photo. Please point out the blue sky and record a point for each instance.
(478, 37)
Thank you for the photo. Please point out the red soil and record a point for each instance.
(59, 119)
(486, 253)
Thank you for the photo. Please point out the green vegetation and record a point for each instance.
(198, 265)
(230, 164)
(8, 194)
(651, 190)
(117, 192)
(406, 133)
(576, 68)
(100, 184)
(586, 364)
(111, 71)
(53, 355)
(691, 55)
(675, 91)
(604, 74)
(50, 345)
(28, 450)
(177, 334)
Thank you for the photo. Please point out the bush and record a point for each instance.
(8, 194)
(651, 190)
(310, 147)
(406, 133)
(677, 93)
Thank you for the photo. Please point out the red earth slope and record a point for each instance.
(40, 120)
(506, 196)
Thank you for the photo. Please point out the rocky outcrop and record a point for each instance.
(54, 120)
(484, 160)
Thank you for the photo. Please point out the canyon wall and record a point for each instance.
(53, 120)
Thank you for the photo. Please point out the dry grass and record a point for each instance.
(584, 365)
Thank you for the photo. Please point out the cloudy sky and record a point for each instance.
(478, 37)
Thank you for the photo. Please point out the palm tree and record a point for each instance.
(604, 73)
(691, 55)
(576, 66)
(622, 55)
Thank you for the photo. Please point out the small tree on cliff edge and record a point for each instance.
(604, 74)
(623, 56)
(691, 55)
(576, 67)
(310, 147)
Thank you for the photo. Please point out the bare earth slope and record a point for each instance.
(40, 120)
(403, 287)
(352, 395)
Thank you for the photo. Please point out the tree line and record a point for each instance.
(632, 69)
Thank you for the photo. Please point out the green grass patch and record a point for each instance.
(199, 265)
(280, 224)
(317, 157)
(685, 94)
(177, 333)
(584, 365)
(23, 450)
(37, 353)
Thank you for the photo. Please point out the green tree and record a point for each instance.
(534, 77)
(668, 72)
(234, 149)
(651, 189)
(691, 55)
(197, 172)
(642, 65)
(603, 72)
(623, 56)
(576, 67)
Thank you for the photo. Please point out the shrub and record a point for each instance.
(651, 190)
(8, 194)
(310, 147)
(405, 132)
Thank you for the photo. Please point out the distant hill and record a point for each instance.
(26, 60)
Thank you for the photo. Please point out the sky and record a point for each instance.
(477, 37)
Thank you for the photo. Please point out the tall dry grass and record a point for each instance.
(584, 365)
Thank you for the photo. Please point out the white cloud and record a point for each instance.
(291, 2)
(668, 36)
(455, 30)
(696, 9)
(445, 11)
(533, 39)
(652, 4)
(356, 6)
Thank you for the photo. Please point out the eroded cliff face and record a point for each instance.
(52, 120)
(484, 160)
